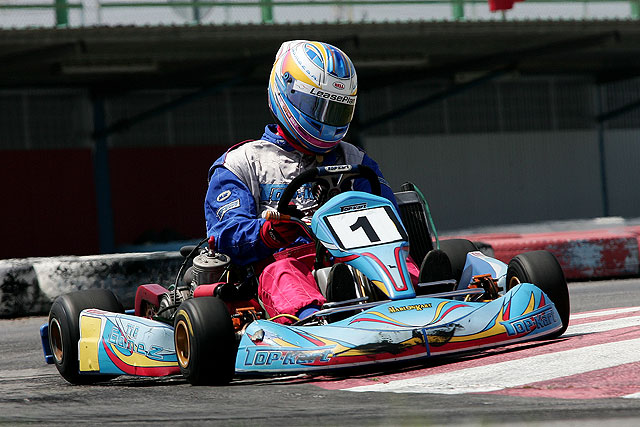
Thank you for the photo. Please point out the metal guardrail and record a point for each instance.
(61, 8)
(267, 6)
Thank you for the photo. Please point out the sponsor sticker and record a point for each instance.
(319, 93)
(266, 356)
(338, 168)
(273, 192)
(223, 196)
(357, 207)
(226, 208)
(417, 307)
(529, 322)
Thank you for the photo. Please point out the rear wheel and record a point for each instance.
(205, 341)
(542, 269)
(457, 250)
(64, 330)
(447, 262)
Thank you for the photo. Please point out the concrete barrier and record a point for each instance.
(20, 294)
(28, 286)
(583, 254)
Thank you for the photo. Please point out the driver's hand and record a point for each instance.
(280, 234)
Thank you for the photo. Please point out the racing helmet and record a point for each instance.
(312, 93)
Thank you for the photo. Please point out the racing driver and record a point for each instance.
(312, 94)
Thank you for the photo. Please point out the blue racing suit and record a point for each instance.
(250, 178)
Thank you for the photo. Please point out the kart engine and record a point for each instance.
(208, 267)
(169, 301)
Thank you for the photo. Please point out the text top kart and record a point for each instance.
(210, 326)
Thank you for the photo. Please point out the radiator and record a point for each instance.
(414, 217)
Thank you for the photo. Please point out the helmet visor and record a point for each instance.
(326, 107)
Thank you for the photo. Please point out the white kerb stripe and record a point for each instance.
(519, 372)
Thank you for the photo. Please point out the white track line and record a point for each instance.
(602, 313)
(514, 373)
(603, 326)
(519, 372)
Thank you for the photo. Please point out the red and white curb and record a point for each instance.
(583, 254)
(597, 357)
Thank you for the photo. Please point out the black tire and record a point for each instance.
(542, 269)
(205, 341)
(435, 267)
(457, 250)
(64, 330)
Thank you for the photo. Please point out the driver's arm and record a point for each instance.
(363, 185)
(231, 217)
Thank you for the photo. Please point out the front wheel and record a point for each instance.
(64, 330)
(205, 341)
(542, 269)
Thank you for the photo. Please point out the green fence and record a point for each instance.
(61, 8)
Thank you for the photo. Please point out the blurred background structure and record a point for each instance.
(111, 112)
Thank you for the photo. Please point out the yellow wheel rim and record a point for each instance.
(183, 343)
(55, 340)
(513, 282)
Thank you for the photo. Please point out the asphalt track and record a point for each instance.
(590, 376)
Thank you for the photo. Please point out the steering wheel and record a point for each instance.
(333, 180)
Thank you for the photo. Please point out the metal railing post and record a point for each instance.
(457, 8)
(267, 11)
(635, 9)
(102, 177)
(604, 190)
(196, 12)
(62, 13)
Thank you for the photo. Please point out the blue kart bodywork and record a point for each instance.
(405, 327)
(365, 232)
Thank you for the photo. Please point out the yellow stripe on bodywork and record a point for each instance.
(380, 286)
(337, 347)
(138, 360)
(532, 304)
(496, 329)
(90, 334)
(283, 343)
(438, 311)
(390, 319)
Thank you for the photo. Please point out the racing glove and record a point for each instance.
(279, 234)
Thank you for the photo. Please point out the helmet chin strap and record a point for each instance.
(297, 146)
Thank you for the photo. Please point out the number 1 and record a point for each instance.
(364, 223)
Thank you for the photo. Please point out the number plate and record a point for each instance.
(367, 227)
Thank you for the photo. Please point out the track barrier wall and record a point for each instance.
(29, 286)
(583, 255)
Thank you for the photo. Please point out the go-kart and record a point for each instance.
(209, 325)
